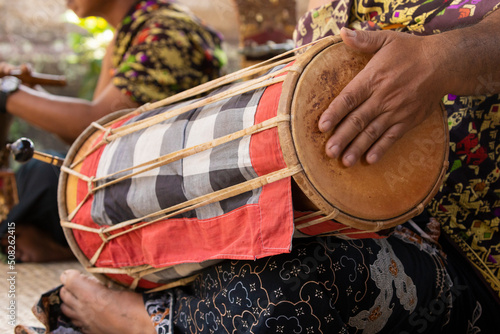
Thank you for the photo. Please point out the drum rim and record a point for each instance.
(291, 156)
(62, 191)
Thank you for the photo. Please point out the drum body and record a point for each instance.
(148, 197)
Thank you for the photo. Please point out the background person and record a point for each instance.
(158, 50)
(401, 284)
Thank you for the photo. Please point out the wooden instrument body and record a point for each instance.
(364, 197)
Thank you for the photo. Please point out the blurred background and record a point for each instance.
(53, 40)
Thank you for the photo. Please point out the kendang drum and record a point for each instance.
(149, 197)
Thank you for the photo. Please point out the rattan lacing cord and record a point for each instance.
(322, 218)
(112, 134)
(174, 156)
(109, 134)
(231, 78)
(105, 232)
(246, 72)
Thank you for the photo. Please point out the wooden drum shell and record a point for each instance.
(365, 197)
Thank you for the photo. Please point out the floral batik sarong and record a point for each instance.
(401, 284)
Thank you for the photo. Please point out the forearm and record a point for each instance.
(105, 76)
(66, 117)
(470, 57)
(63, 116)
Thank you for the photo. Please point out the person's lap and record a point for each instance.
(402, 284)
(399, 285)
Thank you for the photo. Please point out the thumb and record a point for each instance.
(363, 41)
(26, 68)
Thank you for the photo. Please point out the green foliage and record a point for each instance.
(17, 129)
(89, 47)
(94, 25)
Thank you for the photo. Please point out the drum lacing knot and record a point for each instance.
(295, 68)
(107, 133)
(90, 184)
(98, 126)
(136, 276)
(103, 234)
(132, 272)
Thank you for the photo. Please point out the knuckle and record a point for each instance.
(330, 114)
(335, 117)
(372, 132)
(349, 101)
(357, 122)
(392, 136)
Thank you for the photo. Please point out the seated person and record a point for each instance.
(159, 49)
(404, 283)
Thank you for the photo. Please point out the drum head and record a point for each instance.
(393, 189)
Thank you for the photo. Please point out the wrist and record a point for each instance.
(442, 74)
(469, 58)
(8, 85)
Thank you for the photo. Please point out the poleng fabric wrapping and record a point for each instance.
(255, 224)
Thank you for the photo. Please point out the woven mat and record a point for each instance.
(31, 280)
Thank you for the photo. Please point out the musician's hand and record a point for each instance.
(397, 89)
(23, 72)
(6, 68)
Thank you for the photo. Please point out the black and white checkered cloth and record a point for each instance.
(185, 179)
